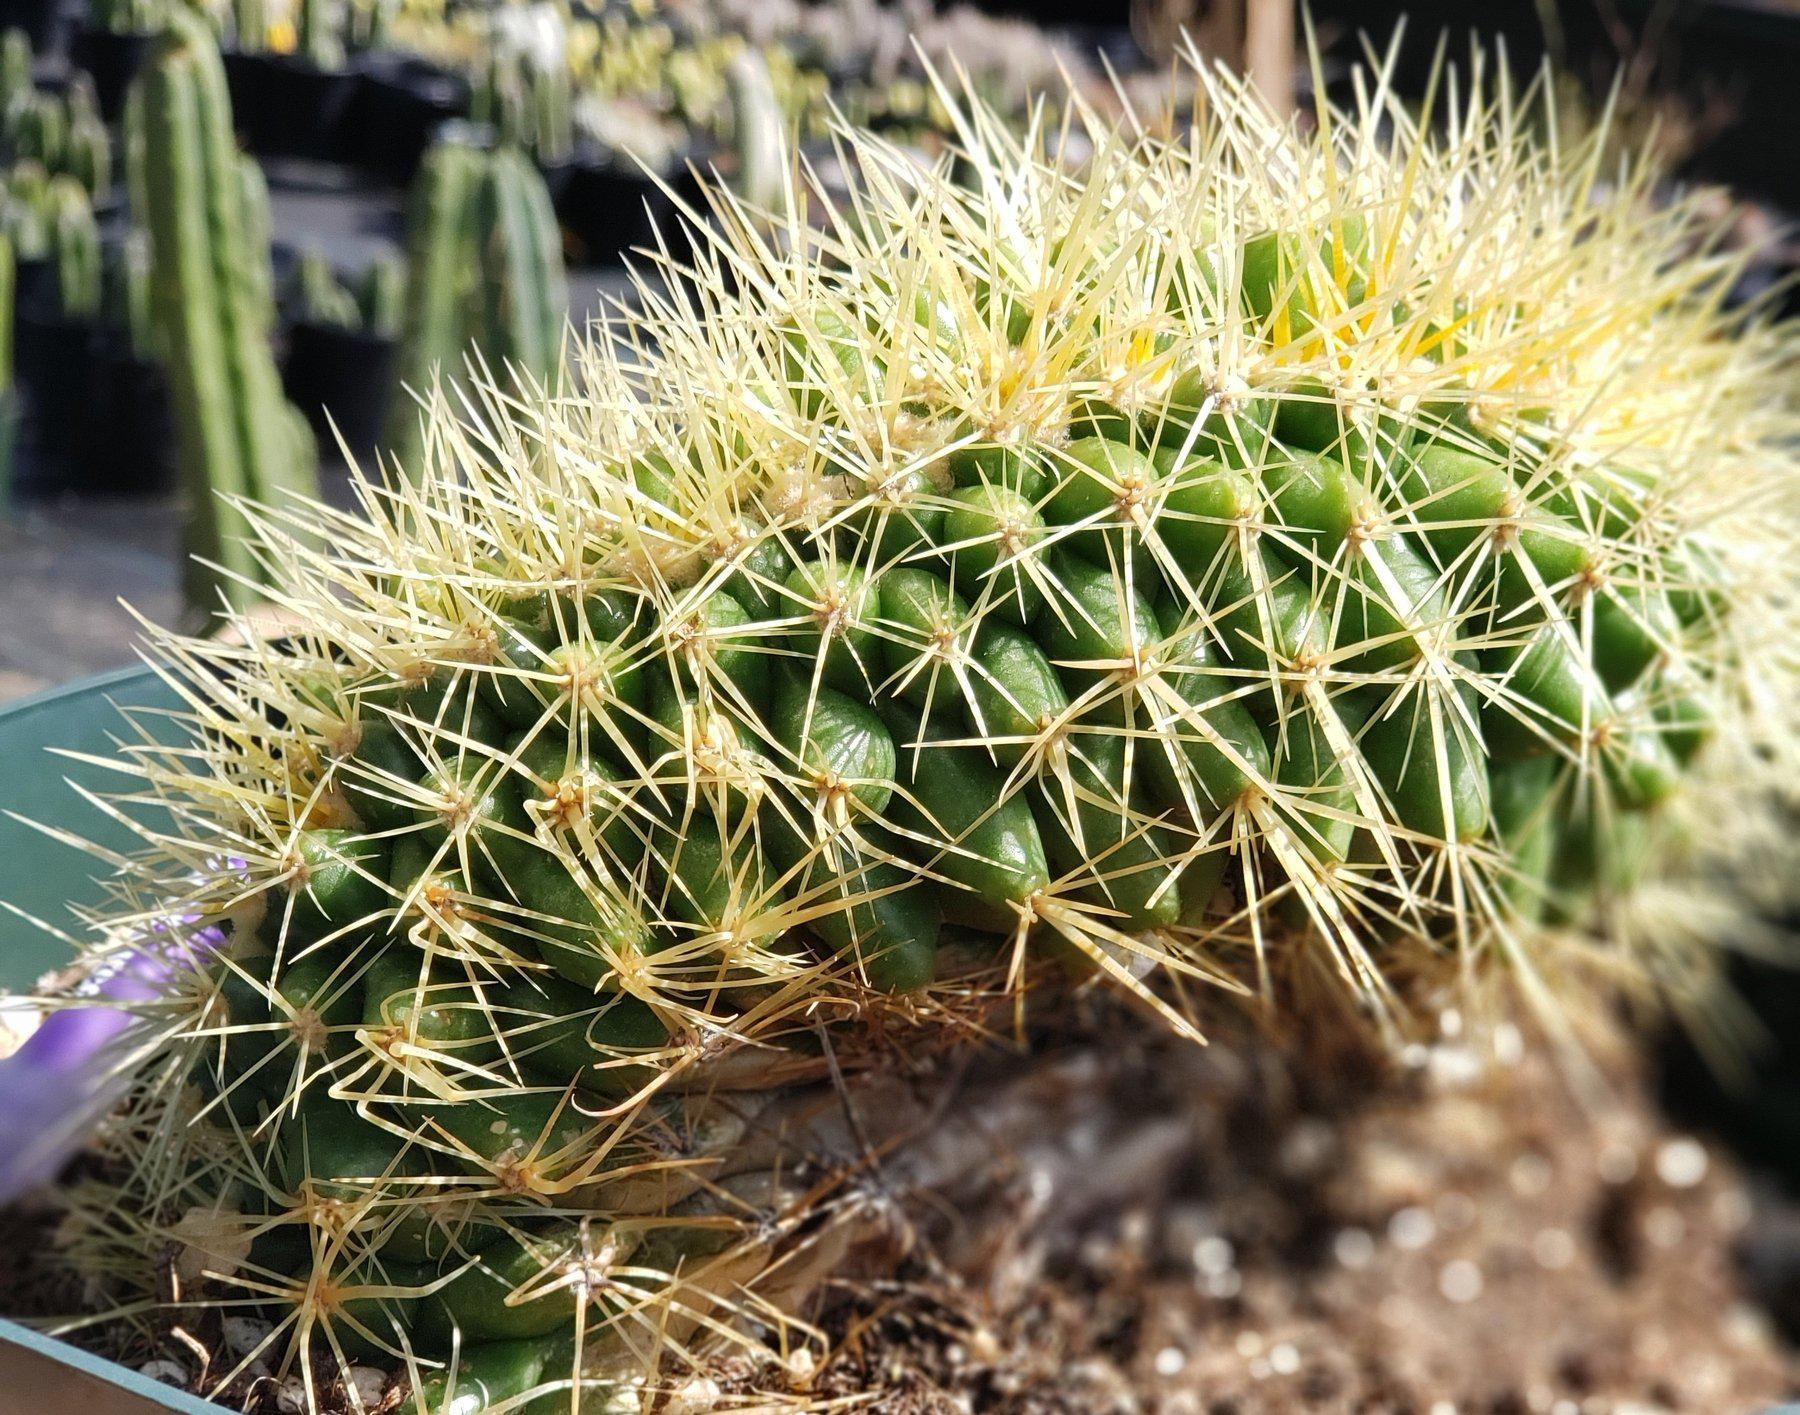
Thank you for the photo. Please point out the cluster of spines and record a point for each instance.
(1196, 609)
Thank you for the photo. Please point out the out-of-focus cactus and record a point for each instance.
(756, 131)
(8, 292)
(126, 16)
(250, 25)
(15, 67)
(321, 33)
(238, 435)
(381, 296)
(37, 128)
(319, 297)
(74, 248)
(484, 273)
(253, 200)
(27, 210)
(125, 291)
(87, 153)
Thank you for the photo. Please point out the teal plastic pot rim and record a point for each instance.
(41, 878)
(39, 1372)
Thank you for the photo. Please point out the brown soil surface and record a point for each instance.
(1438, 1243)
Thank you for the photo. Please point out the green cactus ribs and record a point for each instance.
(1261, 565)
(213, 310)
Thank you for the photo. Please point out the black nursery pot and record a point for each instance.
(45, 23)
(341, 379)
(112, 61)
(34, 286)
(128, 448)
(608, 208)
(53, 363)
(285, 106)
(395, 108)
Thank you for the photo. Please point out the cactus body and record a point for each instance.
(8, 292)
(87, 151)
(320, 297)
(209, 289)
(321, 41)
(75, 248)
(250, 25)
(381, 299)
(1054, 573)
(15, 67)
(125, 291)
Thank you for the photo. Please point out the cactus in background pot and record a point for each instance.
(9, 401)
(1284, 563)
(125, 302)
(28, 210)
(250, 25)
(484, 274)
(74, 248)
(15, 67)
(87, 149)
(239, 438)
(319, 297)
(381, 296)
(320, 33)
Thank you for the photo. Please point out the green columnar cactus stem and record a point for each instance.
(524, 298)
(238, 435)
(253, 198)
(320, 35)
(441, 270)
(757, 131)
(553, 108)
(125, 291)
(75, 248)
(40, 131)
(88, 151)
(28, 210)
(382, 296)
(131, 150)
(15, 67)
(320, 297)
(8, 289)
(484, 274)
(250, 25)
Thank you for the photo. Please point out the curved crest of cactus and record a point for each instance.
(1264, 562)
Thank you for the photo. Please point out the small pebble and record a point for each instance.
(1170, 1361)
(369, 1384)
(169, 1373)
(1411, 1228)
(699, 1395)
(1460, 1280)
(1353, 1247)
(1681, 1162)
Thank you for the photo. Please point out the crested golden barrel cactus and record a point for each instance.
(1257, 562)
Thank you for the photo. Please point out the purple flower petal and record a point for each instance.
(62, 1081)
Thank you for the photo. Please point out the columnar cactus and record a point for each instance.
(74, 248)
(484, 270)
(320, 33)
(1264, 562)
(319, 297)
(238, 436)
(125, 292)
(381, 296)
(87, 149)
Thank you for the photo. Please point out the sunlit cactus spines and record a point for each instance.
(1353, 557)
